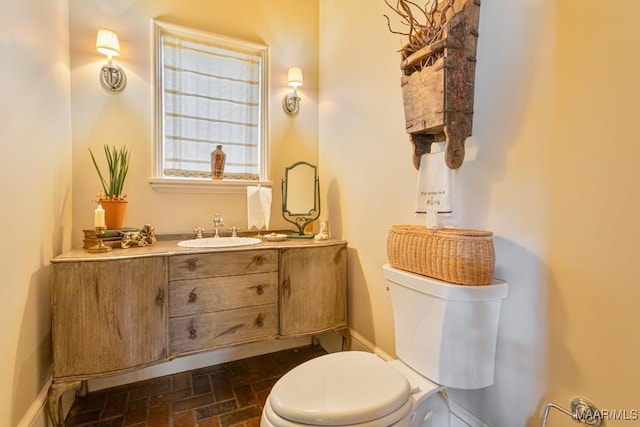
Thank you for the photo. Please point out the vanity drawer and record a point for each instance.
(222, 264)
(211, 330)
(196, 296)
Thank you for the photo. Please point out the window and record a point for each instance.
(210, 90)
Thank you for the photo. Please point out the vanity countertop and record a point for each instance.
(170, 247)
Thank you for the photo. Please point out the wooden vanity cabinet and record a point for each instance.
(313, 289)
(113, 313)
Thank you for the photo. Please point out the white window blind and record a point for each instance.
(212, 94)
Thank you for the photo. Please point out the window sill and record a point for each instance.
(202, 186)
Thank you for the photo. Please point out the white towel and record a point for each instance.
(436, 191)
(258, 207)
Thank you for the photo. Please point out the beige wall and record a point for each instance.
(289, 28)
(552, 169)
(35, 183)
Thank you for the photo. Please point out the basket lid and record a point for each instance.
(464, 232)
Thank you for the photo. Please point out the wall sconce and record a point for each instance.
(112, 76)
(291, 101)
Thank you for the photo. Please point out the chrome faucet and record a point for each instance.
(217, 223)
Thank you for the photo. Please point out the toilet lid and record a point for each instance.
(349, 387)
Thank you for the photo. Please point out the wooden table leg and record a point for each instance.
(346, 338)
(83, 390)
(54, 398)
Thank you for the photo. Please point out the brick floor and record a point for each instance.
(230, 394)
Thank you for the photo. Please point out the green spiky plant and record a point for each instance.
(118, 166)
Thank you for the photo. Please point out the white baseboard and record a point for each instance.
(457, 422)
(359, 342)
(36, 416)
(467, 417)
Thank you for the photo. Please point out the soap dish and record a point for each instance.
(273, 237)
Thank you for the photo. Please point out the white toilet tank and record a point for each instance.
(444, 331)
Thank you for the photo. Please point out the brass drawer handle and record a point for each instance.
(260, 320)
(192, 265)
(193, 334)
(259, 260)
(193, 297)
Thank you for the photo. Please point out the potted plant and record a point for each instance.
(112, 199)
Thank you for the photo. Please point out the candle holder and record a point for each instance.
(100, 247)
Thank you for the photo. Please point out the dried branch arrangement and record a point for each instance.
(425, 27)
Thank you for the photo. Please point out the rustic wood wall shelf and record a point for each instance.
(438, 75)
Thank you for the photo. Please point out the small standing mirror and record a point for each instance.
(301, 196)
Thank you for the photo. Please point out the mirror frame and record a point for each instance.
(301, 220)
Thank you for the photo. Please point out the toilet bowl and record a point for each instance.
(352, 388)
(445, 337)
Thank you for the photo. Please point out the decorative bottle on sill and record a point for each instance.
(218, 158)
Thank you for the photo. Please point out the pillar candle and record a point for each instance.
(98, 217)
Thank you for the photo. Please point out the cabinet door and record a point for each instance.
(108, 315)
(313, 289)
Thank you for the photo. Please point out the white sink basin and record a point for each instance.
(219, 242)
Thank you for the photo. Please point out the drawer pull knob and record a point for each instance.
(160, 297)
(260, 289)
(192, 265)
(193, 334)
(193, 297)
(260, 320)
(286, 288)
(259, 260)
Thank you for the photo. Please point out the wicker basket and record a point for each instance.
(464, 257)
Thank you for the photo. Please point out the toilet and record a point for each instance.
(445, 337)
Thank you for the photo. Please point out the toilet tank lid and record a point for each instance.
(349, 387)
(445, 290)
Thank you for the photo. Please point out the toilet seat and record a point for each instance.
(316, 393)
(394, 419)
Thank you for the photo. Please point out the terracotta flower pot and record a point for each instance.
(114, 211)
